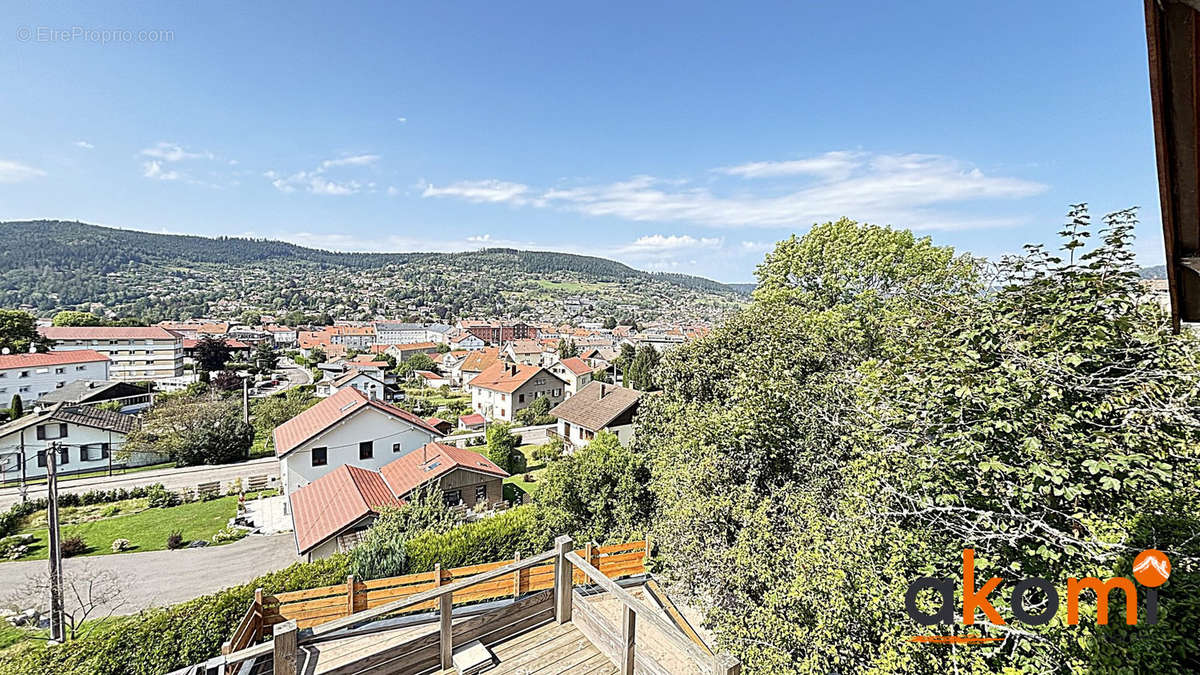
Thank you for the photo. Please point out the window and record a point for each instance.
(558, 392)
(480, 493)
(320, 456)
(50, 432)
(93, 452)
(366, 450)
(453, 497)
(80, 368)
(59, 371)
(395, 447)
(521, 398)
(24, 373)
(59, 385)
(62, 458)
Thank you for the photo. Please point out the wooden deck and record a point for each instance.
(549, 649)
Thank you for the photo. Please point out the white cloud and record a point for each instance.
(905, 190)
(757, 246)
(493, 191)
(839, 163)
(401, 120)
(658, 243)
(393, 190)
(354, 160)
(153, 169)
(173, 152)
(84, 144)
(15, 172)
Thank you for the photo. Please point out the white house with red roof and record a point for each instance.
(346, 428)
(575, 372)
(330, 513)
(31, 376)
(504, 388)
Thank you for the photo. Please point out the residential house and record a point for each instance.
(497, 332)
(467, 341)
(476, 362)
(95, 392)
(31, 376)
(431, 379)
(346, 428)
(331, 513)
(575, 372)
(283, 336)
(528, 352)
(472, 422)
(504, 388)
(87, 438)
(136, 353)
(353, 337)
(597, 407)
(363, 381)
(443, 426)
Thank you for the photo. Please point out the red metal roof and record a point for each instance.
(50, 358)
(431, 461)
(107, 333)
(294, 432)
(336, 501)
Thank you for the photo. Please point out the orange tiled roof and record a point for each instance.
(335, 501)
(431, 461)
(479, 361)
(107, 333)
(507, 378)
(576, 365)
(346, 402)
(8, 361)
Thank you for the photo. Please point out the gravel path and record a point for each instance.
(158, 578)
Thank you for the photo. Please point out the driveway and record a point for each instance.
(159, 578)
(173, 478)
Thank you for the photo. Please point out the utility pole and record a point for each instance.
(55, 554)
(246, 399)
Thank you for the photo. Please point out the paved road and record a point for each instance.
(293, 376)
(159, 578)
(174, 478)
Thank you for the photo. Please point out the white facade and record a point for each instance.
(30, 382)
(367, 384)
(578, 436)
(87, 449)
(390, 438)
(137, 354)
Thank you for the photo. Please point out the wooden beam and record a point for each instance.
(564, 579)
(628, 639)
(286, 649)
(446, 629)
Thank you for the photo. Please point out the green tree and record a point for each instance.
(567, 348)
(18, 332)
(610, 322)
(251, 317)
(272, 411)
(381, 552)
(640, 373)
(211, 353)
(316, 355)
(16, 407)
(191, 430)
(264, 357)
(600, 492)
(601, 375)
(74, 318)
(503, 447)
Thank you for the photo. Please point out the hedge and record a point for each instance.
(161, 640)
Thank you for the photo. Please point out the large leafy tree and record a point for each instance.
(193, 430)
(18, 332)
(272, 411)
(598, 493)
(503, 447)
(212, 353)
(76, 318)
(264, 357)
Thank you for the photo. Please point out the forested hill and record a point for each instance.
(52, 264)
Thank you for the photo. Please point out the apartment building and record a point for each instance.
(135, 353)
(32, 376)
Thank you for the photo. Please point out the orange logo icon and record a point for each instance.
(1151, 568)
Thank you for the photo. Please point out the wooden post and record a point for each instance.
(564, 578)
(628, 638)
(261, 612)
(446, 629)
(286, 662)
(726, 664)
(349, 594)
(580, 577)
(517, 578)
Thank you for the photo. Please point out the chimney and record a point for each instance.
(603, 390)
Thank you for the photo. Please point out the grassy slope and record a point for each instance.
(146, 530)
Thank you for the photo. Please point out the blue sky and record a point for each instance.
(672, 136)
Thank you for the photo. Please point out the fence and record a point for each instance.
(316, 606)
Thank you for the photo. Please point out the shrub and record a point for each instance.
(228, 533)
(381, 551)
(175, 540)
(73, 545)
(119, 545)
(161, 498)
(550, 451)
(522, 529)
(110, 511)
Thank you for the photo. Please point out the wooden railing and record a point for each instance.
(556, 603)
(249, 630)
(316, 606)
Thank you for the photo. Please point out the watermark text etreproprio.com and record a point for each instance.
(94, 35)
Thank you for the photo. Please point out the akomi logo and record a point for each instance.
(1151, 568)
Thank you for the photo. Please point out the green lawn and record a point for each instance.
(532, 466)
(145, 528)
(11, 635)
